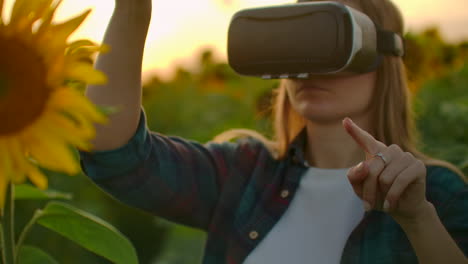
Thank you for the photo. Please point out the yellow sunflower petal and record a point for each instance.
(55, 63)
(92, 49)
(71, 126)
(47, 19)
(26, 12)
(56, 35)
(24, 167)
(69, 131)
(68, 99)
(104, 48)
(49, 152)
(5, 161)
(85, 124)
(54, 155)
(83, 71)
(65, 29)
(18, 161)
(37, 178)
(81, 126)
(83, 54)
(80, 43)
(51, 41)
(80, 54)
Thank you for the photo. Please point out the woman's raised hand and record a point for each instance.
(388, 175)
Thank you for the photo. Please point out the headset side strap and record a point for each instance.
(390, 43)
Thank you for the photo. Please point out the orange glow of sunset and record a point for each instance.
(179, 29)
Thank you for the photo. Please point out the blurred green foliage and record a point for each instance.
(199, 105)
(428, 56)
(442, 107)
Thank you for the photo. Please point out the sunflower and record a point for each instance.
(42, 114)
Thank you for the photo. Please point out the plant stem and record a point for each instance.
(8, 233)
(2, 240)
(26, 230)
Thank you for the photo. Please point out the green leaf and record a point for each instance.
(26, 191)
(33, 255)
(89, 232)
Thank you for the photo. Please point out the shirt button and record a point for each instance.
(253, 235)
(284, 193)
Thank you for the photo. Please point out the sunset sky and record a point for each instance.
(181, 28)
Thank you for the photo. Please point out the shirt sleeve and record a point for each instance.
(452, 206)
(178, 179)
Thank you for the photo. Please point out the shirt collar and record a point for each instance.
(296, 148)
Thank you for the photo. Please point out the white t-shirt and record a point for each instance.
(317, 223)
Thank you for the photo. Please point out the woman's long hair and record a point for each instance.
(391, 112)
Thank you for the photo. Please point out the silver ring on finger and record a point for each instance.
(382, 157)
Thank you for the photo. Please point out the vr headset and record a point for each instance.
(304, 39)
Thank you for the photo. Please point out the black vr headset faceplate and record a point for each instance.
(303, 39)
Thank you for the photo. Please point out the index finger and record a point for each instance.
(367, 142)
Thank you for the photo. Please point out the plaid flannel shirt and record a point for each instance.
(236, 192)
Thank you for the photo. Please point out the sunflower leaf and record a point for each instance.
(89, 232)
(29, 192)
(33, 255)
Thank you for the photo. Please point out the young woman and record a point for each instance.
(324, 190)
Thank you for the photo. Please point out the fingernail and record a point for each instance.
(386, 206)
(367, 206)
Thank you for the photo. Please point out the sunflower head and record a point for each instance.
(43, 116)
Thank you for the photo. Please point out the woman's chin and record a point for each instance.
(322, 113)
